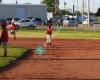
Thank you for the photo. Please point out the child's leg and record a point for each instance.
(50, 39)
(4, 45)
(47, 38)
(14, 35)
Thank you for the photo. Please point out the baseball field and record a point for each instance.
(73, 55)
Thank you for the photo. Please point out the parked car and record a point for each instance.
(56, 20)
(25, 23)
(16, 19)
(85, 22)
(38, 21)
(69, 22)
(10, 19)
(30, 17)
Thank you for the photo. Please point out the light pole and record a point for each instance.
(41, 1)
(16, 2)
(82, 11)
(77, 13)
(56, 7)
(88, 13)
(64, 5)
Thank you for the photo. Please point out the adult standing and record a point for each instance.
(4, 37)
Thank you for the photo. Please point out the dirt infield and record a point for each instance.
(63, 60)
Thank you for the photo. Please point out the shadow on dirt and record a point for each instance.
(17, 61)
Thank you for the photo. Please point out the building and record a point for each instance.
(23, 11)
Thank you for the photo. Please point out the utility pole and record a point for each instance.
(88, 13)
(41, 1)
(16, 2)
(77, 13)
(73, 7)
(56, 6)
(77, 7)
(82, 11)
(64, 5)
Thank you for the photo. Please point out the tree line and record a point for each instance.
(51, 8)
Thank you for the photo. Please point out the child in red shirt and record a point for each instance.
(49, 34)
(13, 30)
(4, 37)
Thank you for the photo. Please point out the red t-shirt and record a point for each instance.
(49, 30)
(4, 35)
(13, 27)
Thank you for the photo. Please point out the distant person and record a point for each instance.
(4, 37)
(13, 30)
(12, 21)
(59, 22)
(49, 34)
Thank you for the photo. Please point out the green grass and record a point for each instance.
(13, 54)
(63, 34)
(78, 35)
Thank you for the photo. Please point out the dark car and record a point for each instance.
(16, 19)
(10, 19)
(38, 21)
(30, 17)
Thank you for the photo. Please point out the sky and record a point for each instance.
(95, 4)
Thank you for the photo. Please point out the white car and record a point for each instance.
(69, 22)
(25, 23)
(85, 22)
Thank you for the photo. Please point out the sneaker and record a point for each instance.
(49, 43)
